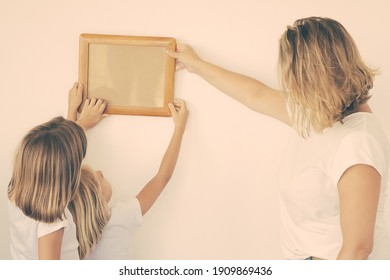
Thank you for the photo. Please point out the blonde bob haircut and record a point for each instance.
(89, 210)
(322, 73)
(46, 169)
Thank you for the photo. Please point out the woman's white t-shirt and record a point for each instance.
(309, 199)
(116, 240)
(26, 231)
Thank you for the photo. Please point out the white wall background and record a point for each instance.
(221, 202)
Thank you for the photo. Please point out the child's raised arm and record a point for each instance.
(148, 195)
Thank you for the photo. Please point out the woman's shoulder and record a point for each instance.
(360, 124)
(361, 134)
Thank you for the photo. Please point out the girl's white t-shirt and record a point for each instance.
(309, 199)
(26, 231)
(116, 241)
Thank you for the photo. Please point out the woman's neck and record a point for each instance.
(364, 108)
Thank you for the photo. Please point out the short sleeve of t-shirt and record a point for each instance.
(45, 228)
(358, 148)
(126, 214)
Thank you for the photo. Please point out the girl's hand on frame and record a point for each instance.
(92, 113)
(75, 97)
(179, 113)
(185, 56)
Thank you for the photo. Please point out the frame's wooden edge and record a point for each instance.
(83, 68)
(168, 42)
(139, 111)
(170, 68)
(127, 39)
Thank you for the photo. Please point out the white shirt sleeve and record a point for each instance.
(357, 148)
(45, 228)
(127, 214)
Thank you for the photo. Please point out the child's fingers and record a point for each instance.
(87, 102)
(98, 102)
(177, 107)
(102, 105)
(172, 109)
(179, 103)
(80, 89)
(92, 101)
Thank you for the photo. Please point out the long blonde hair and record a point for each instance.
(89, 210)
(46, 169)
(322, 73)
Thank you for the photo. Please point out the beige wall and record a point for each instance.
(221, 202)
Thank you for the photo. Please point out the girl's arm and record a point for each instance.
(248, 91)
(359, 189)
(155, 186)
(92, 112)
(49, 246)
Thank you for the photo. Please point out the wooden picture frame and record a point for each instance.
(132, 73)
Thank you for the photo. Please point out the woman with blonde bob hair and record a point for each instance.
(335, 172)
(323, 74)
